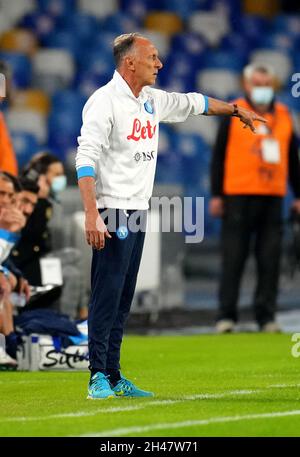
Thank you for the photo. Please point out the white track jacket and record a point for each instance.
(119, 139)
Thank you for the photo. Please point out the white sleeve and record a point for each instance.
(95, 131)
(176, 107)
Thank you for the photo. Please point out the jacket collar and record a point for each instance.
(123, 87)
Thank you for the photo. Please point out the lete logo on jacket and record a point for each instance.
(140, 131)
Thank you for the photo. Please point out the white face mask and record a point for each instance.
(59, 184)
(262, 95)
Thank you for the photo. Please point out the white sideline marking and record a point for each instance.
(117, 409)
(191, 423)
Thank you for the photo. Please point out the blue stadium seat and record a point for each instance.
(168, 170)
(57, 8)
(296, 60)
(87, 82)
(65, 121)
(189, 43)
(21, 68)
(195, 156)
(64, 128)
(223, 60)
(252, 27)
(292, 102)
(103, 42)
(237, 44)
(82, 26)
(179, 64)
(176, 83)
(231, 8)
(192, 146)
(183, 8)
(287, 23)
(136, 8)
(97, 62)
(25, 146)
(165, 143)
(119, 23)
(68, 100)
(278, 41)
(66, 40)
(40, 23)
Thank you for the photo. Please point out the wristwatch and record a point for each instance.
(236, 110)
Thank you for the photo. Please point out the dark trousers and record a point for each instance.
(113, 280)
(247, 219)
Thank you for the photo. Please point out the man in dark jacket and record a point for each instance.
(249, 175)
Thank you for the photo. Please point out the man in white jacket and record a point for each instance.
(115, 164)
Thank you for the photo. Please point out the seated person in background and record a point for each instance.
(47, 172)
(26, 201)
(11, 217)
(12, 221)
(6, 327)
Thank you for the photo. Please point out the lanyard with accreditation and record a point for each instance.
(270, 148)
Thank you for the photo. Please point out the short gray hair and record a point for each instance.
(123, 44)
(257, 67)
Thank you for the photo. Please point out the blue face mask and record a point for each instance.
(262, 95)
(59, 184)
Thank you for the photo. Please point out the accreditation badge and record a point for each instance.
(51, 271)
(270, 150)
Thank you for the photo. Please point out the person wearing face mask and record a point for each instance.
(47, 171)
(249, 177)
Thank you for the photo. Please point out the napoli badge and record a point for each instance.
(148, 105)
(122, 232)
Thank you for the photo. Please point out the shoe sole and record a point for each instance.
(89, 397)
(134, 396)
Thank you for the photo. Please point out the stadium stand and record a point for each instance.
(60, 52)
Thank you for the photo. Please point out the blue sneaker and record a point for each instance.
(99, 387)
(125, 388)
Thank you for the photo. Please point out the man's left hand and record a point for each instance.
(24, 288)
(296, 205)
(248, 117)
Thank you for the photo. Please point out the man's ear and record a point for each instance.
(130, 63)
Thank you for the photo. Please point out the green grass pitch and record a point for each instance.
(205, 385)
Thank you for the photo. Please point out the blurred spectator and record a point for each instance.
(26, 200)
(8, 161)
(47, 171)
(11, 218)
(249, 176)
(11, 222)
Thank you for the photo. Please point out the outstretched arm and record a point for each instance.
(247, 117)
